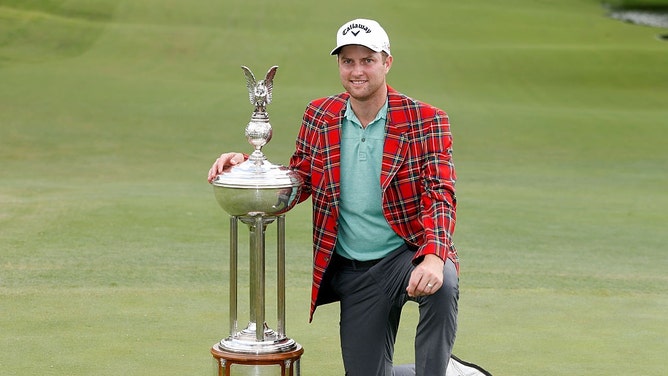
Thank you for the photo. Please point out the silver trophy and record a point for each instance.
(257, 192)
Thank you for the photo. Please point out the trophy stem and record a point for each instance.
(257, 337)
(280, 271)
(234, 252)
(257, 276)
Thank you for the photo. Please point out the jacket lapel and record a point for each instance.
(396, 141)
(331, 149)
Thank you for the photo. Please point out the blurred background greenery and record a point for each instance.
(113, 252)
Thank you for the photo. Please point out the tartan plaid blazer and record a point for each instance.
(417, 177)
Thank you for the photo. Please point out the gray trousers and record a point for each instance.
(372, 298)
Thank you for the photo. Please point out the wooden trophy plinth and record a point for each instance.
(289, 361)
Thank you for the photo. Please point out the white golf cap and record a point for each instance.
(367, 33)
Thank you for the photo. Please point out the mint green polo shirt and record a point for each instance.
(363, 233)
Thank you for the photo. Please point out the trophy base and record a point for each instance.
(246, 342)
(233, 363)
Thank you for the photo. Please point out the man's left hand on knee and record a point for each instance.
(427, 277)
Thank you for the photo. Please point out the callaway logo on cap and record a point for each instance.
(367, 33)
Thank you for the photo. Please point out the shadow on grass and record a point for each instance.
(34, 31)
(652, 13)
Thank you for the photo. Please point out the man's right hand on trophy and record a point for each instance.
(224, 163)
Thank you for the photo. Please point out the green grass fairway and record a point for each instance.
(113, 251)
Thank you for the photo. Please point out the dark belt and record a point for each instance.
(356, 264)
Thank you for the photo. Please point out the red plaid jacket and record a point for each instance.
(417, 177)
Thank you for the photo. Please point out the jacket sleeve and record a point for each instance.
(300, 162)
(438, 200)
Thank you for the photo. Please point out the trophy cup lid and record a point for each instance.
(250, 174)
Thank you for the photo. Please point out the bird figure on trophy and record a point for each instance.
(258, 131)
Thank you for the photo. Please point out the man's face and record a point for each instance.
(363, 71)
